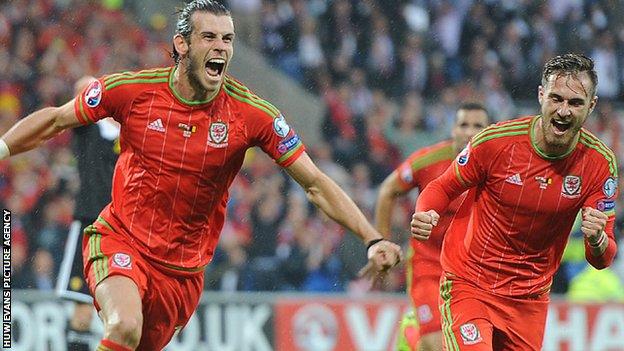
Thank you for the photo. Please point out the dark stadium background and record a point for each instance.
(365, 82)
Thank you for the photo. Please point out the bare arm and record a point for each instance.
(389, 191)
(330, 198)
(40, 126)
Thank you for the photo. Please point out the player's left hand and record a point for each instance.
(593, 224)
(381, 257)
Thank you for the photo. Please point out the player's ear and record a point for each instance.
(540, 94)
(180, 44)
(592, 103)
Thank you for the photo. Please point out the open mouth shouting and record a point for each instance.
(215, 67)
(560, 127)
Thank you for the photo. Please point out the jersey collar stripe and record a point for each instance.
(136, 76)
(132, 73)
(505, 125)
(254, 98)
(251, 102)
(598, 142)
(612, 165)
(442, 154)
(499, 135)
(494, 131)
(137, 81)
(238, 87)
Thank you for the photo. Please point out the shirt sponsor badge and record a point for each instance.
(280, 126)
(122, 260)
(218, 135)
(609, 187)
(571, 187)
(93, 94)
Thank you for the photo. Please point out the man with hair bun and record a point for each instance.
(184, 133)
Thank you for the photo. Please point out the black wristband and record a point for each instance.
(373, 242)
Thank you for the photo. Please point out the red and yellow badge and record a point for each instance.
(187, 130)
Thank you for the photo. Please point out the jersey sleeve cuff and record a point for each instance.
(80, 112)
(290, 157)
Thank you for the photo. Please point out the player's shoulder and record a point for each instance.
(598, 151)
(247, 99)
(130, 79)
(504, 132)
(429, 155)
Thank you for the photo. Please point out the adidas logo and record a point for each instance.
(156, 125)
(514, 179)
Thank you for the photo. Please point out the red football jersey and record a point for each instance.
(511, 240)
(417, 171)
(178, 158)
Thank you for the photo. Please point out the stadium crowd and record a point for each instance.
(391, 76)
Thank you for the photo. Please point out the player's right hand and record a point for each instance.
(422, 224)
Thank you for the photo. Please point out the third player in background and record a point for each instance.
(423, 268)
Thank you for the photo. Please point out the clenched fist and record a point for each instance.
(593, 225)
(422, 224)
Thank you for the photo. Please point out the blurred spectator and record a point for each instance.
(607, 66)
(267, 214)
(408, 130)
(246, 16)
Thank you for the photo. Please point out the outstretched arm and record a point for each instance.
(331, 199)
(40, 126)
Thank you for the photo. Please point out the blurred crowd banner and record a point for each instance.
(293, 322)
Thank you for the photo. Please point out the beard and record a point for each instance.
(559, 142)
(192, 69)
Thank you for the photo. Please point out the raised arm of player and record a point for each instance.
(389, 191)
(433, 200)
(331, 199)
(600, 244)
(38, 127)
(35, 129)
